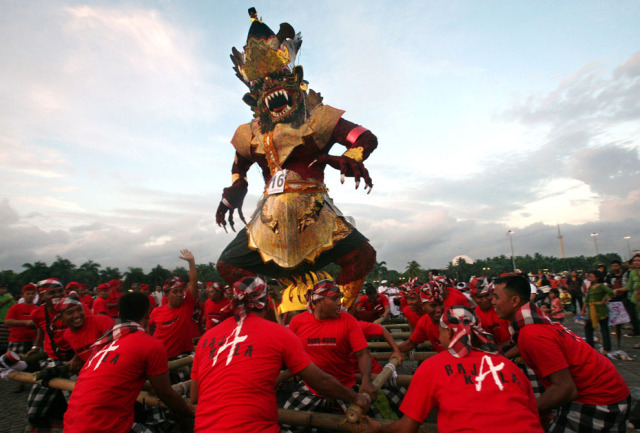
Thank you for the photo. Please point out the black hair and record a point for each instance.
(556, 291)
(370, 290)
(517, 285)
(613, 262)
(599, 275)
(133, 306)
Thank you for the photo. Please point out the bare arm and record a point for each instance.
(561, 391)
(171, 398)
(397, 353)
(15, 322)
(193, 392)
(325, 384)
(192, 286)
(37, 342)
(364, 365)
(403, 425)
(407, 346)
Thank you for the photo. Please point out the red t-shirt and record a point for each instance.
(370, 312)
(370, 330)
(81, 341)
(494, 325)
(87, 301)
(465, 405)
(109, 383)
(330, 343)
(236, 389)
(39, 318)
(173, 326)
(19, 334)
(403, 302)
(550, 348)
(152, 302)
(412, 316)
(114, 297)
(213, 314)
(100, 307)
(427, 330)
(455, 297)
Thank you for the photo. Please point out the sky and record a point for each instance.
(491, 116)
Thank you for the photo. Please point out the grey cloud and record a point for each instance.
(610, 170)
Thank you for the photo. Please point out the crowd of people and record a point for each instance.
(504, 360)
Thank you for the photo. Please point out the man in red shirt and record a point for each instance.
(22, 331)
(330, 336)
(216, 307)
(373, 306)
(237, 363)
(85, 297)
(482, 294)
(114, 296)
(414, 309)
(584, 387)
(432, 299)
(146, 290)
(45, 405)
(101, 304)
(171, 323)
(83, 330)
(111, 379)
(473, 387)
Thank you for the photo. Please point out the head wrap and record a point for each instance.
(115, 283)
(61, 304)
(464, 323)
(479, 286)
(320, 290)
(248, 293)
(50, 283)
(28, 288)
(528, 314)
(72, 286)
(144, 287)
(104, 287)
(432, 292)
(215, 286)
(172, 283)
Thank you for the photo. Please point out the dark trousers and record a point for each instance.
(576, 300)
(604, 330)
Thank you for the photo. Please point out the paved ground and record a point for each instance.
(13, 405)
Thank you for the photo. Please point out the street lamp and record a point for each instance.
(628, 247)
(595, 241)
(513, 258)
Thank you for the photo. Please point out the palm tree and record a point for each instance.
(133, 275)
(34, 272)
(110, 273)
(413, 269)
(158, 275)
(62, 269)
(379, 270)
(88, 273)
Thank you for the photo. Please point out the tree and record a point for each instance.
(158, 275)
(34, 272)
(133, 275)
(413, 269)
(88, 273)
(379, 272)
(62, 269)
(207, 272)
(107, 274)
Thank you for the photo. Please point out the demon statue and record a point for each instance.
(296, 228)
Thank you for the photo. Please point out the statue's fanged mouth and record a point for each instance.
(278, 102)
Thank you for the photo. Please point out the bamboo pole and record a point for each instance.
(397, 326)
(417, 356)
(398, 335)
(177, 363)
(403, 379)
(355, 413)
(384, 345)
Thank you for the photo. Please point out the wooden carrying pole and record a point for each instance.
(416, 356)
(396, 326)
(285, 416)
(355, 413)
(385, 345)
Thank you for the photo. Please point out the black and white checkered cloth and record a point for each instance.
(536, 384)
(583, 418)
(41, 398)
(305, 400)
(21, 347)
(395, 396)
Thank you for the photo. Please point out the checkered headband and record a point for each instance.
(320, 290)
(61, 304)
(117, 331)
(215, 286)
(249, 293)
(73, 286)
(528, 314)
(467, 333)
(479, 286)
(172, 283)
(432, 292)
(50, 283)
(28, 288)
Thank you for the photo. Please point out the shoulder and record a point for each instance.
(241, 140)
(324, 119)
